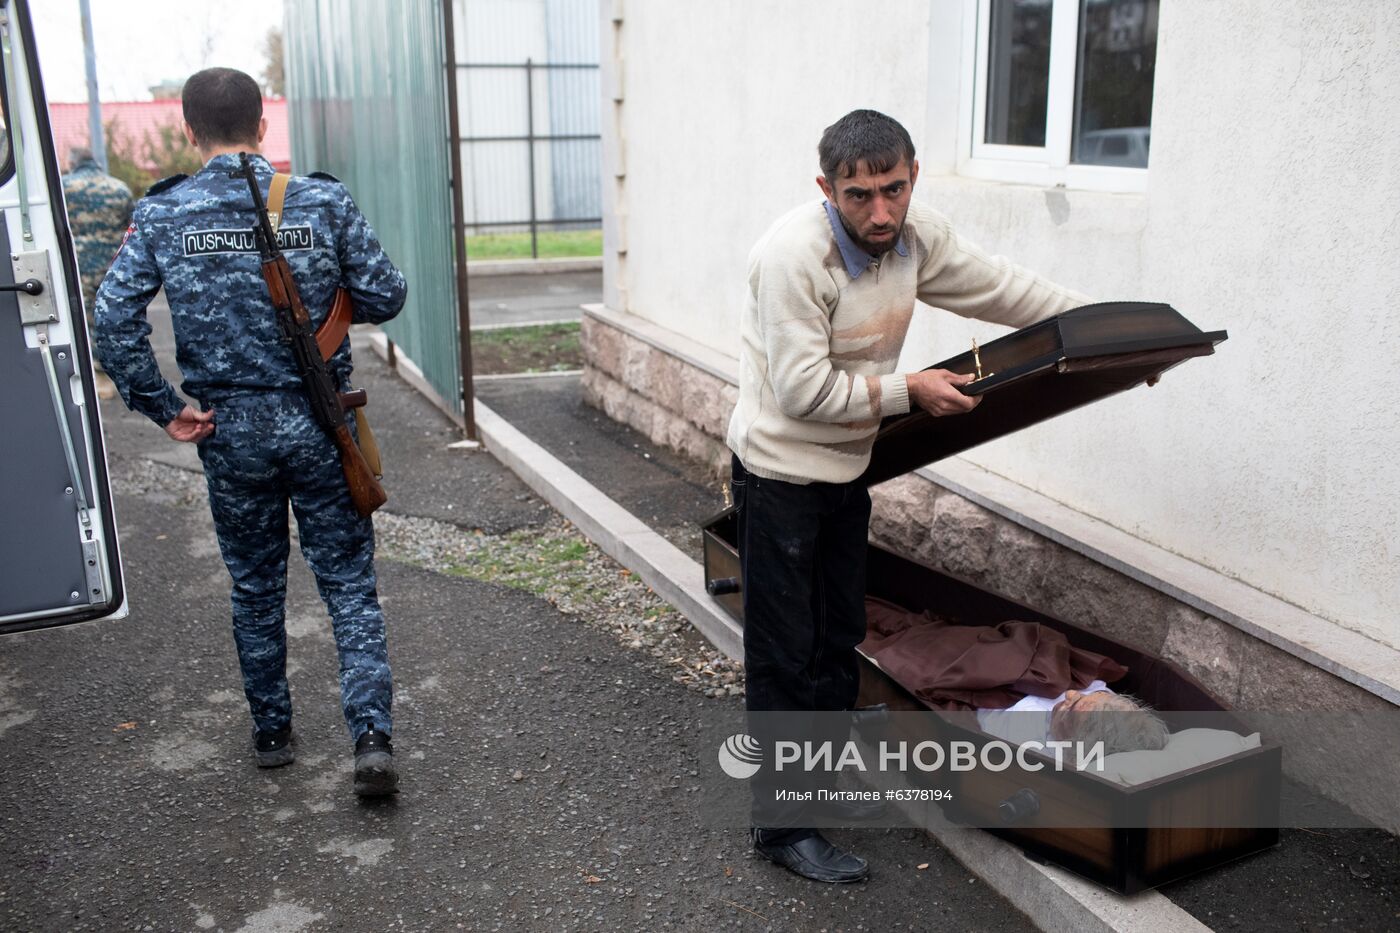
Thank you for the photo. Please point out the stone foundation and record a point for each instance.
(919, 519)
(685, 406)
(675, 404)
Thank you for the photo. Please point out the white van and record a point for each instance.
(58, 544)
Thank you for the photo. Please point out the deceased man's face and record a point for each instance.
(1068, 715)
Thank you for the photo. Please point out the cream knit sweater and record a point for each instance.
(818, 349)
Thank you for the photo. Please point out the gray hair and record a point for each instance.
(1125, 724)
(79, 154)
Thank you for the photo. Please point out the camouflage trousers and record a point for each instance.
(267, 451)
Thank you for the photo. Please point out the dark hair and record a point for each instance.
(863, 137)
(222, 106)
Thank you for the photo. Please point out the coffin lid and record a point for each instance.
(1041, 371)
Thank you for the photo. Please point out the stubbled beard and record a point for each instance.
(873, 249)
(877, 249)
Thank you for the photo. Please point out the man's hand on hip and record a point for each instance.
(191, 426)
(936, 392)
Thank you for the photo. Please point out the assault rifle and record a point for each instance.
(327, 404)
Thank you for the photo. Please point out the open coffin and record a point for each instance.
(1132, 837)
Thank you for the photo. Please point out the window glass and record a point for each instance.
(6, 163)
(1113, 92)
(1018, 72)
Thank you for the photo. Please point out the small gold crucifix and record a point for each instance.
(977, 361)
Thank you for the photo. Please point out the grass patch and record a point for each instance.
(549, 566)
(543, 349)
(553, 244)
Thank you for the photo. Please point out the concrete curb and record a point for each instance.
(516, 325)
(1053, 899)
(534, 266)
(622, 536)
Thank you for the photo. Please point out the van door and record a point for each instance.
(58, 544)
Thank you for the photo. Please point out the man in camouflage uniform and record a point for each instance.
(259, 442)
(99, 208)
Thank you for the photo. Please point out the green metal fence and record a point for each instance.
(367, 103)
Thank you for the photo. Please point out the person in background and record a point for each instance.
(99, 211)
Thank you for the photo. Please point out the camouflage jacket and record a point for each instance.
(99, 208)
(193, 236)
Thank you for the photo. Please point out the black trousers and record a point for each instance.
(802, 558)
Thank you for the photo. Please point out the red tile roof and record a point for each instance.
(134, 119)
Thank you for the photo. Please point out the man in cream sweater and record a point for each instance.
(832, 287)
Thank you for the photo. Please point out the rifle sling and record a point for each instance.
(331, 334)
(368, 445)
(276, 194)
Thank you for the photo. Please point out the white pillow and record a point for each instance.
(1185, 749)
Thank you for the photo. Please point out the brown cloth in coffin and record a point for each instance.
(965, 667)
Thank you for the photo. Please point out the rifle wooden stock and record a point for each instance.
(365, 491)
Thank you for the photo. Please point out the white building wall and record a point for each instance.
(1272, 211)
(724, 103)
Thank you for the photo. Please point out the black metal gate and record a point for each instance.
(530, 145)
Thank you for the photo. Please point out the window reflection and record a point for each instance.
(4, 127)
(1018, 72)
(1113, 92)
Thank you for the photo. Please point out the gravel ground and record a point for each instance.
(556, 563)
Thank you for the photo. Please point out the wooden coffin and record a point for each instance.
(1130, 837)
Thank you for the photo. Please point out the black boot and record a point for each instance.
(273, 749)
(810, 856)
(375, 774)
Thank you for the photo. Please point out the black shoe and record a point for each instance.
(813, 857)
(273, 749)
(375, 774)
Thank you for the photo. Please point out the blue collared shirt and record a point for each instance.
(857, 260)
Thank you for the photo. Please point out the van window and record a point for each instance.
(7, 162)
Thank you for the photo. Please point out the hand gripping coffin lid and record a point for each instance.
(245, 291)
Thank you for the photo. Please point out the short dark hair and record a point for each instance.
(223, 106)
(863, 137)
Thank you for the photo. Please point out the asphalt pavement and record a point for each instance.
(512, 300)
(545, 781)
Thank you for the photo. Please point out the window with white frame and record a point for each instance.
(1063, 91)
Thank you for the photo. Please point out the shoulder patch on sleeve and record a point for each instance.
(130, 229)
(324, 176)
(165, 184)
